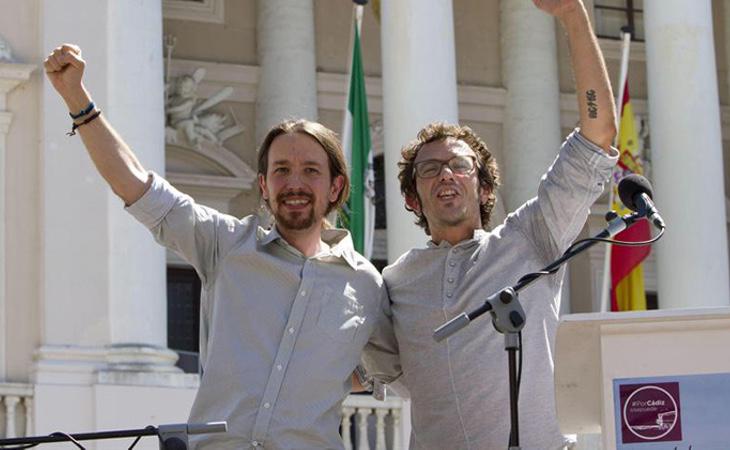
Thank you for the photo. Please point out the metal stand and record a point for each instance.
(511, 344)
(171, 437)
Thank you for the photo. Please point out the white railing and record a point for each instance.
(16, 410)
(375, 421)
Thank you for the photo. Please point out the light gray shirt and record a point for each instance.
(280, 333)
(459, 388)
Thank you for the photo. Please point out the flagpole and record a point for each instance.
(623, 74)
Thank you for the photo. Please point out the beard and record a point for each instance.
(296, 220)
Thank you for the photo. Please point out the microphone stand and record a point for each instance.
(171, 437)
(508, 316)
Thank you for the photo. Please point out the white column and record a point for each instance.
(692, 260)
(287, 79)
(11, 76)
(419, 86)
(531, 127)
(104, 294)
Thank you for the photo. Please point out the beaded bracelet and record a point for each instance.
(76, 125)
(83, 112)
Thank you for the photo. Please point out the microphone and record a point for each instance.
(636, 193)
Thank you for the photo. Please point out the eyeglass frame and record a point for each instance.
(445, 163)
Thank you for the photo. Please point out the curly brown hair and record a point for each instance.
(326, 138)
(488, 172)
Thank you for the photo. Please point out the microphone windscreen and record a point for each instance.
(632, 185)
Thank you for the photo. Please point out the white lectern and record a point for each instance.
(612, 368)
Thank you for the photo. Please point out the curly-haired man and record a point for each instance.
(458, 388)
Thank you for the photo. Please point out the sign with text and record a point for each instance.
(688, 412)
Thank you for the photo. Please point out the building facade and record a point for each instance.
(94, 315)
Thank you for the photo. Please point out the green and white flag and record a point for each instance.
(360, 211)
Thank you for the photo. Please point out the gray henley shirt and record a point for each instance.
(459, 388)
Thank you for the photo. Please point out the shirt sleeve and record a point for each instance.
(566, 192)
(199, 234)
(380, 359)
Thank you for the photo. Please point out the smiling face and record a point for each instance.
(449, 201)
(298, 186)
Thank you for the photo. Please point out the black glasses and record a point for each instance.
(459, 164)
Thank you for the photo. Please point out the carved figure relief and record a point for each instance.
(187, 114)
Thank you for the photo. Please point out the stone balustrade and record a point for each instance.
(16, 410)
(373, 422)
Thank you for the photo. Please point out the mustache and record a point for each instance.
(284, 195)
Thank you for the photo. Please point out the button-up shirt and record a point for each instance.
(280, 332)
(459, 388)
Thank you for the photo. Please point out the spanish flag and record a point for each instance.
(627, 274)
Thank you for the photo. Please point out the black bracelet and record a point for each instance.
(76, 125)
(83, 112)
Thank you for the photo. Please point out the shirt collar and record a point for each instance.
(478, 236)
(339, 240)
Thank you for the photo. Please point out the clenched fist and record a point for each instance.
(65, 70)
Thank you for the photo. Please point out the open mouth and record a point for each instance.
(295, 200)
(447, 194)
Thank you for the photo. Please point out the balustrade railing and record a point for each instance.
(367, 423)
(373, 422)
(16, 410)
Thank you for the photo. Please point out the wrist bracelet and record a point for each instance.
(83, 112)
(76, 125)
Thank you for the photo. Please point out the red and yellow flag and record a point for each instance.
(627, 274)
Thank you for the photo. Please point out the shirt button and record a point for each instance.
(448, 294)
(450, 280)
(278, 367)
(303, 293)
(452, 263)
(267, 405)
(291, 330)
(255, 443)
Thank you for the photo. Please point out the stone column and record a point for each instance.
(288, 76)
(692, 261)
(11, 76)
(531, 128)
(419, 86)
(103, 298)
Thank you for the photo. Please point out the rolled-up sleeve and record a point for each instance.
(565, 194)
(200, 235)
(380, 359)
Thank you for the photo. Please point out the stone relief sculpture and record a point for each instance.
(187, 115)
(5, 54)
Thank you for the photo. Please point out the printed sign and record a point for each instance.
(687, 412)
(650, 412)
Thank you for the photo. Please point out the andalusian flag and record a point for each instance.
(627, 274)
(360, 211)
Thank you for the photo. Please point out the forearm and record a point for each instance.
(593, 88)
(112, 157)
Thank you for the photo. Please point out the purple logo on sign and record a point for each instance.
(650, 412)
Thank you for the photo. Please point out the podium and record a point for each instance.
(649, 379)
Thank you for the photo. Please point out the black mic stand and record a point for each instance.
(171, 437)
(508, 316)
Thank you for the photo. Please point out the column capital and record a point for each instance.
(12, 75)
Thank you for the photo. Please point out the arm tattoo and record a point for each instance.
(591, 104)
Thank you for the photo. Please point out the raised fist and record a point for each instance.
(65, 69)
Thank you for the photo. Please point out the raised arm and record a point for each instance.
(593, 88)
(112, 157)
